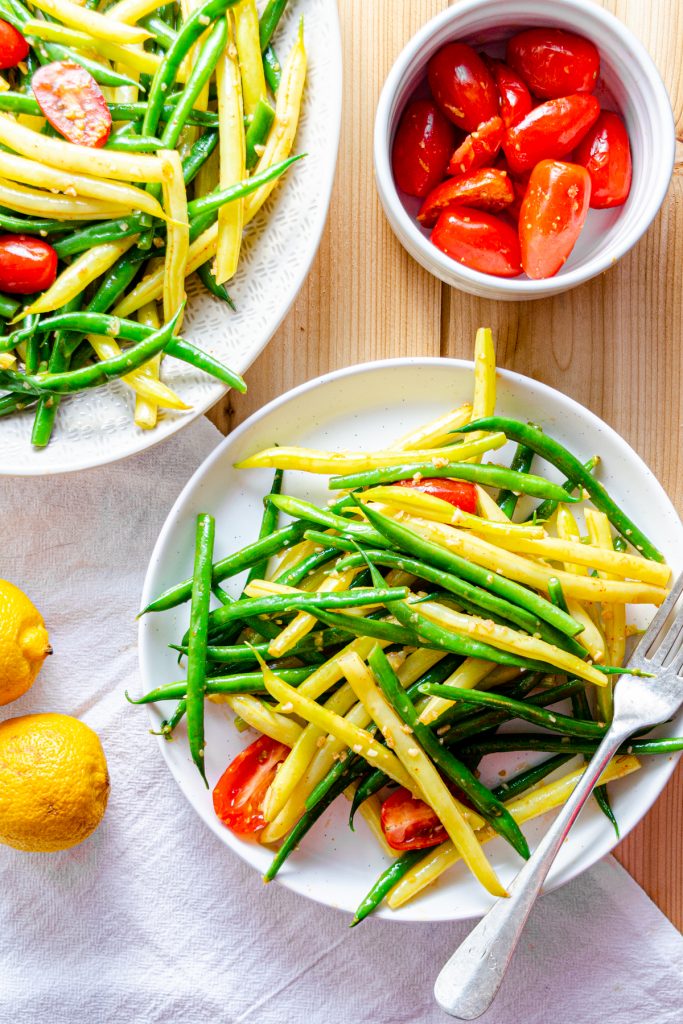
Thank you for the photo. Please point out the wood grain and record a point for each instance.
(613, 344)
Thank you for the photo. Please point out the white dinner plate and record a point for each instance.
(96, 427)
(366, 407)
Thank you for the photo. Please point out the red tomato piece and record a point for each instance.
(27, 264)
(410, 824)
(239, 793)
(514, 100)
(487, 189)
(73, 103)
(479, 147)
(554, 62)
(422, 147)
(460, 493)
(553, 212)
(462, 86)
(605, 152)
(550, 131)
(13, 46)
(479, 240)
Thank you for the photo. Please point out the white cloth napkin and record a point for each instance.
(153, 919)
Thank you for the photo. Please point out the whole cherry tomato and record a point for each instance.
(553, 212)
(550, 131)
(27, 264)
(553, 62)
(606, 154)
(514, 100)
(460, 493)
(238, 795)
(410, 824)
(462, 86)
(487, 189)
(13, 46)
(479, 240)
(422, 147)
(73, 103)
(478, 148)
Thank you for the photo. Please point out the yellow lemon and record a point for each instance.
(24, 642)
(54, 782)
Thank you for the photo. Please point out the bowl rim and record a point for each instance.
(475, 281)
(145, 632)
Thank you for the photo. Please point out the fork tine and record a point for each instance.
(650, 634)
(670, 641)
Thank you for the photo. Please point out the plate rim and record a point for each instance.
(293, 394)
(151, 438)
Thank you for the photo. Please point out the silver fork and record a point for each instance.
(469, 981)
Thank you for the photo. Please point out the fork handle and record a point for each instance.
(468, 982)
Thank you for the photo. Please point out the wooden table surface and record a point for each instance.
(613, 344)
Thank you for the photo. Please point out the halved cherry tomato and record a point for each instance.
(478, 148)
(73, 103)
(514, 100)
(479, 240)
(486, 189)
(553, 62)
(550, 131)
(13, 46)
(410, 824)
(423, 144)
(552, 215)
(606, 154)
(27, 264)
(239, 793)
(462, 86)
(460, 493)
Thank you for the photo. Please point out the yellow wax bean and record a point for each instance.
(92, 22)
(232, 155)
(249, 52)
(436, 432)
(59, 207)
(177, 234)
(78, 275)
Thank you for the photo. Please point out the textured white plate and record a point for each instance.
(366, 406)
(279, 246)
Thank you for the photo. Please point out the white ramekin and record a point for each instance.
(628, 74)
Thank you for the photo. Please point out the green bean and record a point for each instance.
(336, 771)
(488, 475)
(32, 226)
(136, 112)
(134, 143)
(395, 872)
(19, 103)
(300, 509)
(96, 375)
(244, 682)
(95, 234)
(521, 463)
(8, 307)
(48, 52)
(518, 709)
(214, 200)
(407, 540)
(562, 459)
(272, 69)
(556, 594)
(548, 507)
(32, 360)
(309, 818)
(478, 598)
(491, 809)
(581, 709)
(532, 741)
(257, 132)
(199, 153)
(245, 654)
(169, 724)
(279, 603)
(470, 722)
(58, 363)
(163, 33)
(432, 635)
(202, 69)
(167, 71)
(196, 655)
(90, 322)
(208, 279)
(270, 20)
(380, 629)
(299, 572)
